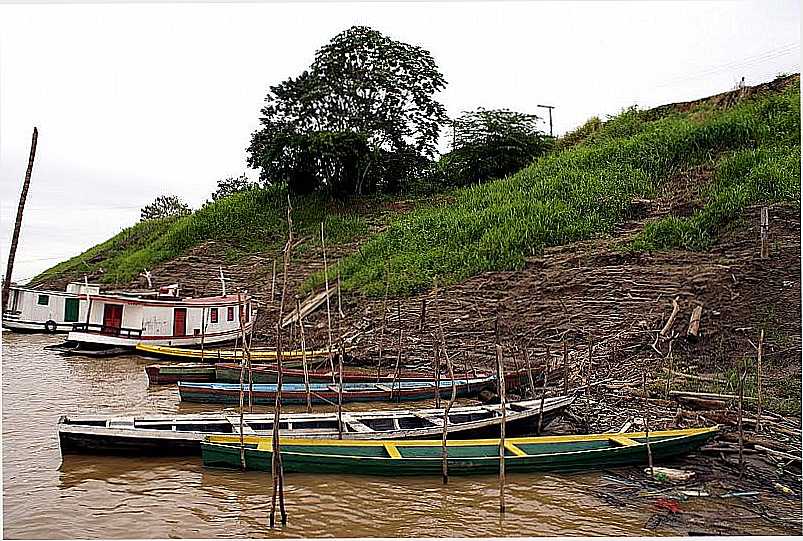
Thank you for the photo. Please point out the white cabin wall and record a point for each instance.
(157, 321)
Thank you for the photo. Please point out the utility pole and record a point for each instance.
(18, 223)
(550, 107)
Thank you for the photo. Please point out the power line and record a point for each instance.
(734, 65)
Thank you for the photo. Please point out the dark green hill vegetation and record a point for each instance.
(585, 190)
(581, 190)
(248, 221)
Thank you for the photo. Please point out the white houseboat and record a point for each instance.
(40, 310)
(121, 321)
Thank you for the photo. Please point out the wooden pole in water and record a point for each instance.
(340, 390)
(503, 408)
(450, 371)
(543, 394)
(759, 380)
(529, 371)
(276, 462)
(382, 331)
(304, 356)
(328, 309)
(15, 236)
(565, 368)
(242, 390)
(245, 360)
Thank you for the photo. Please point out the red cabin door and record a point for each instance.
(112, 319)
(179, 322)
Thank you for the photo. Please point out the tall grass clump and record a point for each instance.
(573, 194)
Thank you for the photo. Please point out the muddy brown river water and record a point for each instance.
(46, 495)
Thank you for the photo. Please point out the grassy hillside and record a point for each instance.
(584, 190)
(578, 192)
(247, 222)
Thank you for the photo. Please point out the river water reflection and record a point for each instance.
(112, 497)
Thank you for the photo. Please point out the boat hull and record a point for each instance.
(118, 436)
(165, 374)
(230, 373)
(322, 394)
(482, 458)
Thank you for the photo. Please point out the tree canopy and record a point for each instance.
(231, 185)
(491, 144)
(362, 118)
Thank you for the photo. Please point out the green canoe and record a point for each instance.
(421, 457)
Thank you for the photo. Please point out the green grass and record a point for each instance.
(578, 193)
(744, 178)
(246, 222)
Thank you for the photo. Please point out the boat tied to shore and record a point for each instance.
(327, 393)
(41, 310)
(182, 434)
(464, 457)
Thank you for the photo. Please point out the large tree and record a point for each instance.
(165, 206)
(362, 118)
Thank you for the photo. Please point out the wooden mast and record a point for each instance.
(12, 253)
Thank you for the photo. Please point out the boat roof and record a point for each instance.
(172, 301)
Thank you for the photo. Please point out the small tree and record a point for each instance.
(232, 185)
(491, 144)
(163, 207)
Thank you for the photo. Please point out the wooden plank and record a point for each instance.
(307, 307)
(624, 441)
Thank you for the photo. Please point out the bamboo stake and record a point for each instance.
(759, 380)
(437, 375)
(590, 364)
(15, 236)
(565, 368)
(543, 394)
(304, 356)
(340, 390)
(647, 439)
(273, 284)
(328, 309)
(765, 227)
(203, 331)
(276, 462)
(672, 316)
(339, 302)
(450, 371)
(671, 365)
(529, 371)
(382, 331)
(398, 357)
(503, 407)
(242, 392)
(742, 376)
(423, 314)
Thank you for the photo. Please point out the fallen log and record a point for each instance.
(710, 396)
(781, 454)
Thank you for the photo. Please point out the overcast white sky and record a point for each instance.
(134, 100)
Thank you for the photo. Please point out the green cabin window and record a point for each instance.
(44, 300)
